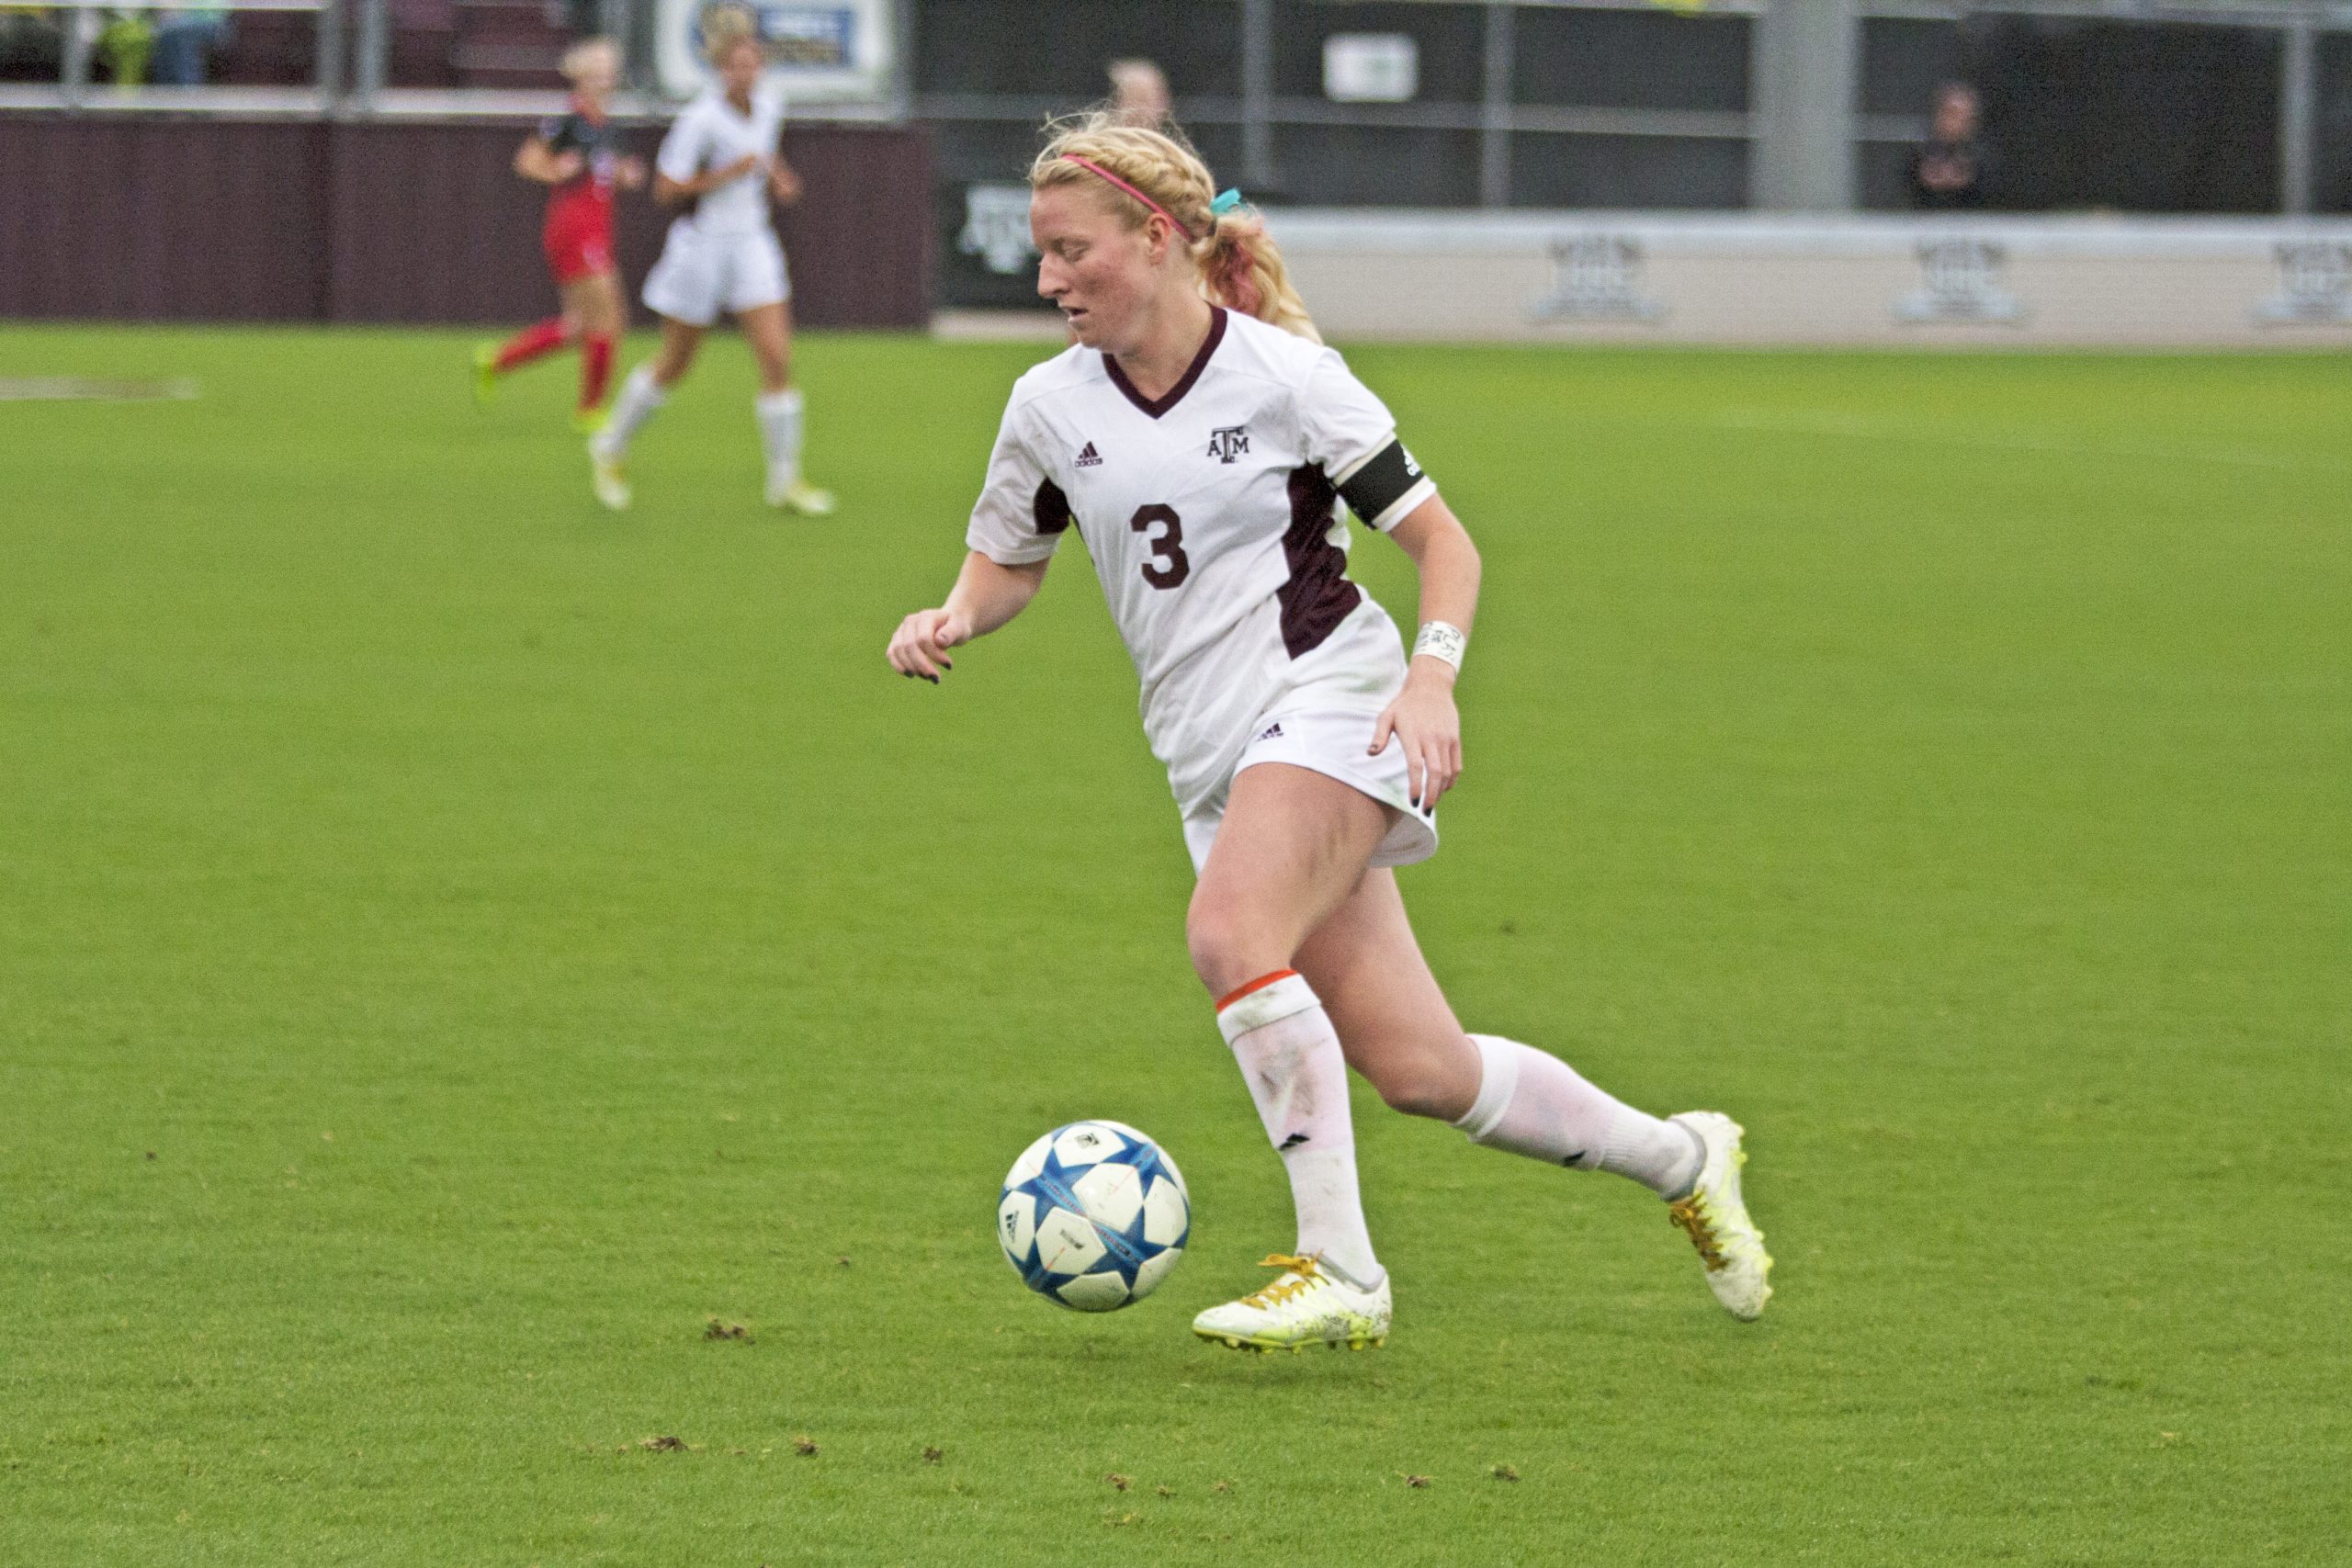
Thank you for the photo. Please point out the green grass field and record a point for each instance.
(454, 943)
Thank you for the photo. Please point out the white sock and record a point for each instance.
(640, 395)
(1537, 1105)
(1290, 1058)
(780, 433)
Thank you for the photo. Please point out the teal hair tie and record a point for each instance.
(1226, 202)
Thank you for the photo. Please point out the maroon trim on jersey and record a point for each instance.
(1051, 509)
(1175, 394)
(1319, 595)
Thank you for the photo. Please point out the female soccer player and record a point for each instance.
(1197, 434)
(721, 161)
(576, 155)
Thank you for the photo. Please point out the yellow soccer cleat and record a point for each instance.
(587, 421)
(1716, 1218)
(796, 494)
(485, 373)
(611, 484)
(1305, 1306)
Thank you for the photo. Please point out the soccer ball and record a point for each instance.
(1093, 1215)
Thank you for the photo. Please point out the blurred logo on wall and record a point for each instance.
(837, 52)
(2314, 283)
(996, 228)
(1597, 278)
(1961, 280)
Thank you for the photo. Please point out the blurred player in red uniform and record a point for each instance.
(577, 153)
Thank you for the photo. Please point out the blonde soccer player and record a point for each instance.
(1197, 436)
(719, 160)
(577, 156)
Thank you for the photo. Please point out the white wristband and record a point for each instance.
(1440, 639)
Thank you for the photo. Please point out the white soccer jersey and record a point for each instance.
(710, 135)
(1210, 514)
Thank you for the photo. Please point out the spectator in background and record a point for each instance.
(183, 39)
(125, 44)
(32, 44)
(1948, 169)
(1139, 94)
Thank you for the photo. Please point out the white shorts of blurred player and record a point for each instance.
(1331, 741)
(701, 275)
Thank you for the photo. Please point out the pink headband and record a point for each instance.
(1097, 168)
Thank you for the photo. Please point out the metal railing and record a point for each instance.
(82, 29)
(354, 39)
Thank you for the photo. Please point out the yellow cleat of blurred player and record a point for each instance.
(789, 493)
(611, 485)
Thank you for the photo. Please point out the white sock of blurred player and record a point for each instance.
(1290, 1057)
(780, 433)
(640, 396)
(1535, 1104)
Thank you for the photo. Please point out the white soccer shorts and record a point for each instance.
(701, 275)
(1329, 741)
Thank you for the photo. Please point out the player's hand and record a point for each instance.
(1424, 719)
(728, 173)
(785, 181)
(566, 167)
(919, 647)
(630, 173)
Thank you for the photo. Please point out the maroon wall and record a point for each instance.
(177, 218)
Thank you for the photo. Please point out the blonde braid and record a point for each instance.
(1239, 266)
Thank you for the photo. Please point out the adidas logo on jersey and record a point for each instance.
(1271, 732)
(1090, 457)
(1228, 443)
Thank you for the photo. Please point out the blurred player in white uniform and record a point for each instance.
(1198, 434)
(721, 255)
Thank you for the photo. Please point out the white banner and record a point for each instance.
(819, 50)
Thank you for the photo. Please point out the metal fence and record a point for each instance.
(1780, 104)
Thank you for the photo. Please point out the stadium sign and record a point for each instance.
(1596, 277)
(836, 53)
(1961, 281)
(2314, 283)
(996, 228)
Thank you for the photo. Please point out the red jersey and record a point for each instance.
(579, 232)
(598, 143)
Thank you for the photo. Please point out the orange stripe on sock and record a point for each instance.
(1259, 984)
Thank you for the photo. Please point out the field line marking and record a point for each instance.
(88, 390)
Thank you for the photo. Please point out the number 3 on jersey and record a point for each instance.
(1169, 566)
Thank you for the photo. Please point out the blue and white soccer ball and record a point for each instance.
(1093, 1215)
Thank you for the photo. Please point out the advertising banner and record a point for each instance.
(818, 51)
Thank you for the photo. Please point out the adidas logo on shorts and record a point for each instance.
(1090, 457)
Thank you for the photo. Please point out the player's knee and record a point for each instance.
(1412, 1085)
(1226, 953)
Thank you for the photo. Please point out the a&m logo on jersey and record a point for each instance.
(1228, 443)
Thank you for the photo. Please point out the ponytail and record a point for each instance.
(1241, 268)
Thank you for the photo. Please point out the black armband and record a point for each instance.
(1389, 476)
(1051, 509)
